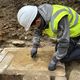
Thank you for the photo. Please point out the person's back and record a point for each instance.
(58, 13)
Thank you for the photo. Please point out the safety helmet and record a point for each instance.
(26, 16)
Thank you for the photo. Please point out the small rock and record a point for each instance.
(60, 78)
(18, 43)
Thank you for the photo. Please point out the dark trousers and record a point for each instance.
(73, 51)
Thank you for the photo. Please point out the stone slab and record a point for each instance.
(36, 77)
(3, 53)
(60, 71)
(22, 62)
(60, 78)
(5, 63)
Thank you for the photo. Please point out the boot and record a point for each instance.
(52, 64)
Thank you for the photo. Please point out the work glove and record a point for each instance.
(33, 52)
(52, 64)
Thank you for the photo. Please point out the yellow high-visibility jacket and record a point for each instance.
(57, 14)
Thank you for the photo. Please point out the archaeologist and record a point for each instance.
(57, 21)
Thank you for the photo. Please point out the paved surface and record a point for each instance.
(18, 61)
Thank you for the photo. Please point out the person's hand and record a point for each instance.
(52, 64)
(33, 52)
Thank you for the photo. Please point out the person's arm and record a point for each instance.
(36, 38)
(36, 42)
(63, 38)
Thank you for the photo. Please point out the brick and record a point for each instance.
(36, 77)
